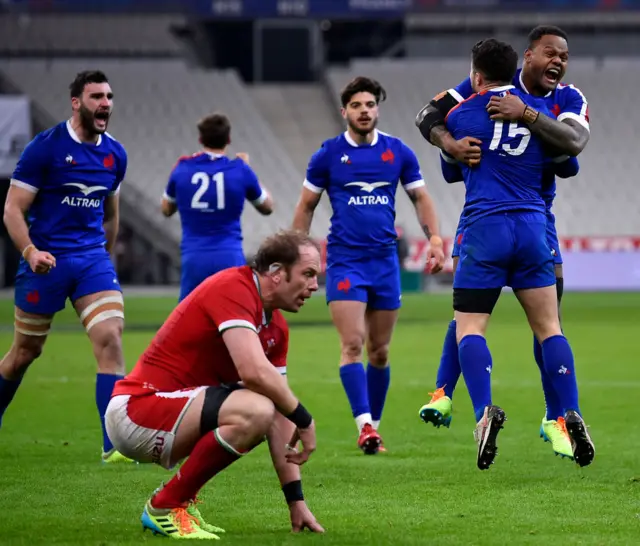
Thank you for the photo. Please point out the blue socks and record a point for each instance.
(476, 364)
(552, 402)
(378, 380)
(104, 388)
(449, 370)
(8, 389)
(558, 363)
(354, 381)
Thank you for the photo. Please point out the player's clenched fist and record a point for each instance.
(244, 156)
(435, 256)
(40, 261)
(307, 436)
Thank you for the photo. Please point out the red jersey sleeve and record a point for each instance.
(234, 304)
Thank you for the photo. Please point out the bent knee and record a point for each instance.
(378, 354)
(259, 415)
(25, 353)
(352, 346)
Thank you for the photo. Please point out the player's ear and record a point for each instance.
(275, 269)
(75, 103)
(343, 112)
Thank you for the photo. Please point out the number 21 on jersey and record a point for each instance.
(202, 181)
(514, 131)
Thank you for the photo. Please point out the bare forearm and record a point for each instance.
(278, 436)
(441, 138)
(17, 227)
(111, 233)
(561, 136)
(302, 219)
(427, 216)
(268, 382)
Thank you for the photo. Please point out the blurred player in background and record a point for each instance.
(184, 397)
(565, 132)
(360, 171)
(209, 190)
(504, 243)
(66, 183)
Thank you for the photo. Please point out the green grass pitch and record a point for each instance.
(425, 490)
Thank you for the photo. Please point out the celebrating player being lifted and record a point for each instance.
(67, 182)
(184, 399)
(504, 243)
(360, 171)
(545, 63)
(209, 190)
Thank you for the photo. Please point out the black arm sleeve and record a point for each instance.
(434, 113)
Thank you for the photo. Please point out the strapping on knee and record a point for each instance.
(102, 309)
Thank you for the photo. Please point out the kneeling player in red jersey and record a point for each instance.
(211, 386)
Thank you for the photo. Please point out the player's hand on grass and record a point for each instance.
(302, 518)
(41, 262)
(466, 150)
(435, 255)
(244, 156)
(507, 108)
(308, 438)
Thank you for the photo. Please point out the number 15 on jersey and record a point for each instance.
(202, 181)
(514, 131)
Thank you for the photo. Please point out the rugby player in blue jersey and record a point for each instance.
(360, 170)
(62, 214)
(565, 133)
(209, 191)
(504, 243)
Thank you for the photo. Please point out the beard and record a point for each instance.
(87, 121)
(359, 130)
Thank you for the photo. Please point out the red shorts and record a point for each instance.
(143, 427)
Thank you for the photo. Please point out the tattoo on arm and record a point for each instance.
(438, 135)
(566, 136)
(426, 231)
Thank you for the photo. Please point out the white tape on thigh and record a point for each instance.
(104, 315)
(27, 321)
(93, 306)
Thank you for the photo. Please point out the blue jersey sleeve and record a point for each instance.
(121, 172)
(574, 106)
(32, 166)
(462, 91)
(410, 176)
(565, 166)
(254, 191)
(170, 190)
(450, 168)
(317, 179)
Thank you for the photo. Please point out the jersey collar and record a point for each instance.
(502, 88)
(524, 87)
(75, 136)
(266, 317)
(214, 156)
(353, 143)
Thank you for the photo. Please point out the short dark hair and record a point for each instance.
(215, 131)
(497, 61)
(544, 30)
(76, 87)
(283, 247)
(362, 84)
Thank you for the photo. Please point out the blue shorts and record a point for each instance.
(456, 241)
(374, 280)
(197, 266)
(552, 240)
(505, 250)
(74, 276)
